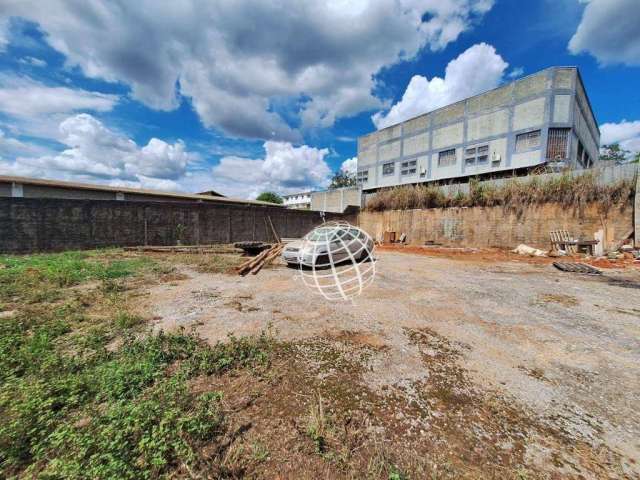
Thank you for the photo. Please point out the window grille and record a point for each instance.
(363, 176)
(527, 141)
(557, 143)
(409, 167)
(447, 158)
(478, 155)
(388, 168)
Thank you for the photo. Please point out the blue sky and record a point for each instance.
(244, 96)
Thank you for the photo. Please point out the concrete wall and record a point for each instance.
(336, 200)
(497, 226)
(33, 225)
(552, 98)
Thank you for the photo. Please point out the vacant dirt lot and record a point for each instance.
(493, 364)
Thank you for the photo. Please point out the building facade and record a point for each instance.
(301, 201)
(544, 118)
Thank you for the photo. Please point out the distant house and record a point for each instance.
(300, 201)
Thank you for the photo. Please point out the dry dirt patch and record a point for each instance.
(462, 357)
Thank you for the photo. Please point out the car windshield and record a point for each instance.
(328, 234)
(320, 234)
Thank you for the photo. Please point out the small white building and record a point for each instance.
(300, 201)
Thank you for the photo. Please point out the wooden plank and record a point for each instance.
(274, 231)
(267, 260)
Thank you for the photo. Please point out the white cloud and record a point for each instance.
(97, 153)
(516, 72)
(349, 166)
(626, 133)
(12, 147)
(33, 61)
(610, 31)
(233, 58)
(477, 69)
(285, 169)
(24, 97)
(4, 33)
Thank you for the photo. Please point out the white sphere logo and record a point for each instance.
(336, 259)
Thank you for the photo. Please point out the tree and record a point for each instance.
(269, 197)
(613, 152)
(636, 158)
(341, 179)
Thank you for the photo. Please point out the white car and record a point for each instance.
(321, 244)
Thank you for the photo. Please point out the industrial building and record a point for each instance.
(24, 187)
(541, 119)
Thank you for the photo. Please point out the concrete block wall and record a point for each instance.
(499, 227)
(336, 200)
(38, 225)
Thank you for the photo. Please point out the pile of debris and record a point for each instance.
(563, 244)
(255, 264)
(267, 254)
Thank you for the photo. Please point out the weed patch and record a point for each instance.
(73, 406)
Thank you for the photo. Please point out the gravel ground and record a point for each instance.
(564, 346)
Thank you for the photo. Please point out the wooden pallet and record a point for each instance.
(561, 240)
(577, 268)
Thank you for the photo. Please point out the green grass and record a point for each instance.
(74, 406)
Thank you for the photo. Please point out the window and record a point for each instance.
(557, 143)
(408, 167)
(447, 158)
(583, 156)
(527, 141)
(363, 176)
(483, 154)
(470, 156)
(479, 155)
(388, 168)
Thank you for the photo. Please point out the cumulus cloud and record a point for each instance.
(477, 69)
(349, 166)
(609, 31)
(96, 153)
(285, 168)
(233, 58)
(35, 109)
(626, 133)
(12, 147)
(24, 97)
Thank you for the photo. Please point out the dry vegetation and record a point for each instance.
(87, 390)
(514, 194)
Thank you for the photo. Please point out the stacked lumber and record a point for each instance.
(265, 257)
(184, 249)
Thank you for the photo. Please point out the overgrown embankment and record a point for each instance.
(517, 211)
(566, 190)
